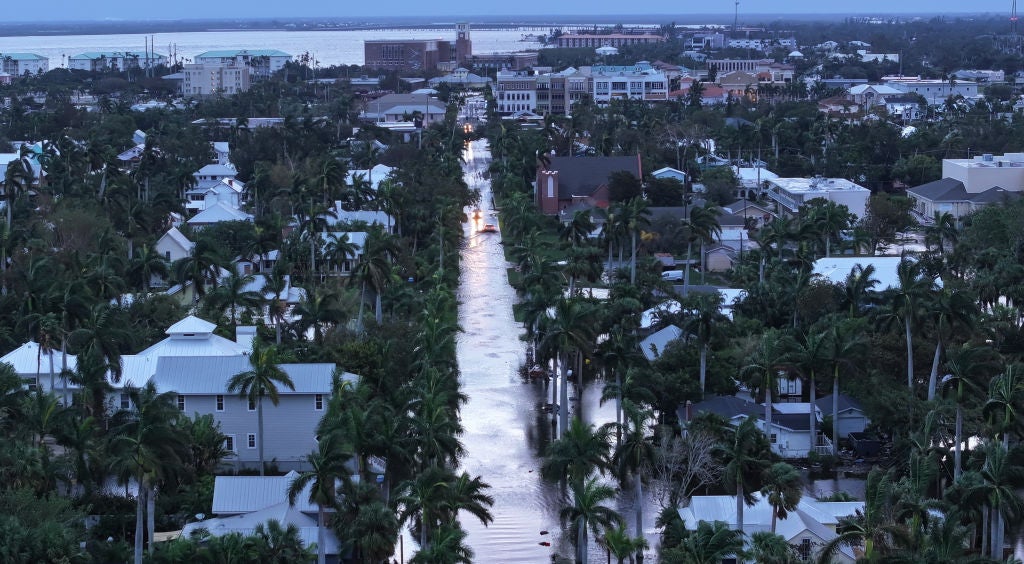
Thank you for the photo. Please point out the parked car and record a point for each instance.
(673, 275)
(489, 228)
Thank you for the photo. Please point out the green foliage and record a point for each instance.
(40, 529)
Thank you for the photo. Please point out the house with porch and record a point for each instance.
(174, 245)
(209, 192)
(564, 181)
(852, 418)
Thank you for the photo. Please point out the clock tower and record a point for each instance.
(463, 44)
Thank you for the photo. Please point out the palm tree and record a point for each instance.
(782, 488)
(950, 310)
(874, 527)
(327, 470)
(448, 547)
(810, 355)
(766, 360)
(279, 544)
(571, 329)
(103, 336)
(847, 346)
(744, 459)
(963, 366)
(234, 296)
(374, 269)
(942, 229)
(703, 324)
(145, 447)
(146, 264)
(858, 291)
(635, 455)
(200, 268)
(422, 497)
(464, 493)
(769, 548)
(259, 382)
(339, 249)
(580, 451)
(704, 228)
(321, 309)
(621, 545)
(1000, 410)
(711, 543)
(635, 216)
(906, 303)
(587, 512)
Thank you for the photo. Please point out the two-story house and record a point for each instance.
(201, 382)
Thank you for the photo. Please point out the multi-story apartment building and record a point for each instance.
(115, 60)
(610, 39)
(208, 79)
(515, 92)
(638, 82)
(19, 64)
(261, 62)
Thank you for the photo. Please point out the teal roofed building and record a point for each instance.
(18, 64)
(115, 60)
(262, 62)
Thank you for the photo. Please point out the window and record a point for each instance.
(250, 441)
(181, 403)
(775, 438)
(220, 403)
(805, 549)
(125, 404)
(167, 255)
(319, 402)
(252, 405)
(229, 443)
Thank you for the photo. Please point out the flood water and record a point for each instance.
(506, 432)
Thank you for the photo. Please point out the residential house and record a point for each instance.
(374, 176)
(217, 213)
(20, 64)
(261, 62)
(216, 172)
(948, 195)
(241, 503)
(739, 84)
(868, 95)
(790, 434)
(357, 239)
(221, 153)
(906, 107)
(654, 344)
(115, 60)
(934, 91)
(42, 367)
(840, 107)
(669, 172)
(361, 218)
(792, 193)
(173, 245)
(987, 170)
(210, 192)
(396, 108)
(563, 181)
(807, 528)
(752, 211)
(710, 94)
(201, 382)
(752, 180)
(720, 258)
(852, 418)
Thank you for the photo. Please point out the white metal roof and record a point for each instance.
(29, 360)
(204, 375)
(655, 343)
(217, 170)
(217, 213)
(835, 270)
(245, 494)
(191, 324)
(179, 238)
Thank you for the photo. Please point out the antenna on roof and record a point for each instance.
(736, 16)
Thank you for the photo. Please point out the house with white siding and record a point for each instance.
(200, 383)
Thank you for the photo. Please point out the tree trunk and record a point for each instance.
(259, 419)
(768, 412)
(581, 544)
(703, 368)
(362, 302)
(139, 501)
(910, 357)
(985, 528)
(150, 517)
(703, 259)
(835, 412)
(775, 516)
(563, 404)
(814, 415)
(618, 409)
(686, 270)
(321, 545)
(378, 307)
(609, 269)
(639, 501)
(739, 503)
(632, 258)
(958, 438)
(934, 377)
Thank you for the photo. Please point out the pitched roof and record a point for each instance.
(655, 343)
(204, 375)
(217, 213)
(246, 523)
(191, 324)
(581, 176)
(725, 406)
(994, 195)
(245, 494)
(28, 359)
(217, 170)
(845, 403)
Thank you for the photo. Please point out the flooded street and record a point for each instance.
(506, 432)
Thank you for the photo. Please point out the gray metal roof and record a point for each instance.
(655, 343)
(205, 375)
(845, 403)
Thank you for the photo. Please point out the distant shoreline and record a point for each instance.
(50, 28)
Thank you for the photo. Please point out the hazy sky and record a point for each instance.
(447, 9)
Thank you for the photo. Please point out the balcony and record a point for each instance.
(824, 446)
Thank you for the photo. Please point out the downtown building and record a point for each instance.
(420, 54)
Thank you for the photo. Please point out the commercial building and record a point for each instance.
(395, 108)
(637, 82)
(570, 40)
(19, 64)
(214, 78)
(115, 60)
(420, 54)
(935, 91)
(792, 193)
(261, 62)
(519, 60)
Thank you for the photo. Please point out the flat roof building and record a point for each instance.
(262, 62)
(115, 60)
(19, 64)
(792, 193)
